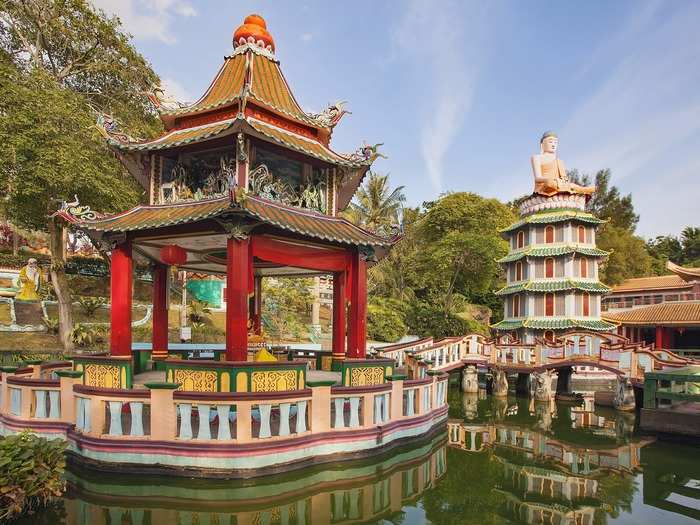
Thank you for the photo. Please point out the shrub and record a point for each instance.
(199, 311)
(51, 325)
(385, 319)
(31, 473)
(89, 305)
(85, 335)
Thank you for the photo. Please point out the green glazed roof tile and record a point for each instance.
(553, 216)
(555, 324)
(554, 285)
(552, 251)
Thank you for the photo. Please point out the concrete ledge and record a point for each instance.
(667, 421)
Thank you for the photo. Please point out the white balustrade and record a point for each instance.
(281, 420)
(427, 394)
(82, 416)
(409, 402)
(125, 414)
(345, 412)
(381, 408)
(15, 401)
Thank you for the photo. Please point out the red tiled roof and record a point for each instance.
(308, 223)
(671, 313)
(658, 282)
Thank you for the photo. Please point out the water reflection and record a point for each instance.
(560, 464)
(359, 492)
(500, 461)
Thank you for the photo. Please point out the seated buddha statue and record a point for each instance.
(550, 172)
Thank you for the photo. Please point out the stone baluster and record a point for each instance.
(265, 430)
(40, 404)
(224, 431)
(284, 419)
(136, 409)
(301, 417)
(204, 429)
(354, 412)
(339, 405)
(185, 410)
(115, 418)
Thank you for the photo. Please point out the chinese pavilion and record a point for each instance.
(552, 267)
(242, 183)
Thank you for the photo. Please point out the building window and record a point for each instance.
(516, 305)
(582, 234)
(519, 271)
(583, 267)
(586, 304)
(549, 234)
(549, 267)
(549, 336)
(521, 239)
(549, 304)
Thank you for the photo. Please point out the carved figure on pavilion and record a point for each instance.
(30, 280)
(550, 172)
(162, 101)
(330, 116)
(369, 153)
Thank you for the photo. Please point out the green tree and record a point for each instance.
(286, 302)
(690, 238)
(62, 62)
(628, 258)
(385, 319)
(375, 206)
(460, 242)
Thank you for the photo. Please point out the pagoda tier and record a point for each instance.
(246, 130)
(552, 283)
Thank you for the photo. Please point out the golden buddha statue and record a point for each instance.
(550, 172)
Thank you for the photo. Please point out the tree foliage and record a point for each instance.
(385, 319)
(683, 250)
(375, 206)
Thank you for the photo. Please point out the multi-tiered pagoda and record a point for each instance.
(552, 266)
(242, 183)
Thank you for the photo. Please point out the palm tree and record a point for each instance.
(375, 206)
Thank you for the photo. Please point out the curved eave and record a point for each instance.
(598, 325)
(554, 216)
(554, 286)
(553, 252)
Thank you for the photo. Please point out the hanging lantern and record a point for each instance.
(173, 255)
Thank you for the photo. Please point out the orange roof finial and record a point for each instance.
(254, 31)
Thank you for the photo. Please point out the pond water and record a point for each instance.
(499, 461)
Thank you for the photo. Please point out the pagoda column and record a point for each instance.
(120, 297)
(338, 316)
(160, 312)
(357, 329)
(237, 272)
(257, 305)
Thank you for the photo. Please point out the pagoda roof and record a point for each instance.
(251, 73)
(554, 285)
(307, 223)
(554, 216)
(553, 251)
(657, 282)
(562, 323)
(266, 131)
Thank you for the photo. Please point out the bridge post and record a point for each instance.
(564, 381)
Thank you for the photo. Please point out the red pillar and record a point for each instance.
(668, 338)
(659, 340)
(160, 312)
(338, 316)
(237, 270)
(120, 290)
(357, 329)
(257, 305)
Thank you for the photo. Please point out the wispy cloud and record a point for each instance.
(645, 116)
(307, 37)
(439, 39)
(173, 89)
(148, 19)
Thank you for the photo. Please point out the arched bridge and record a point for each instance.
(610, 352)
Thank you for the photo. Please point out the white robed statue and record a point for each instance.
(29, 282)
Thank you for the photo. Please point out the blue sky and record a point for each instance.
(460, 92)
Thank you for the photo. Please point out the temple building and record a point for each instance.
(243, 183)
(663, 309)
(552, 283)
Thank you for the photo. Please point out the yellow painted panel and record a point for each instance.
(241, 382)
(225, 382)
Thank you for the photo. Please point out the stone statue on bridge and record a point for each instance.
(499, 387)
(470, 380)
(624, 395)
(541, 385)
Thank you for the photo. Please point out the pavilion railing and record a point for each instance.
(162, 413)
